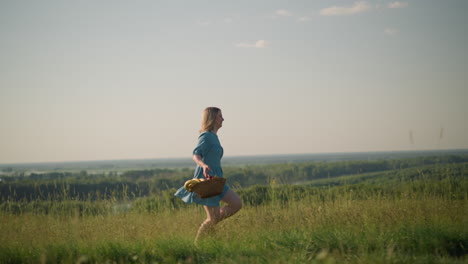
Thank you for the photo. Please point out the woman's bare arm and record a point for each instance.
(199, 161)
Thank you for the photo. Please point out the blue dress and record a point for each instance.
(211, 152)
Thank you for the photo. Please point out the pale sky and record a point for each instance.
(104, 80)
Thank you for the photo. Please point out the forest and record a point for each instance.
(141, 183)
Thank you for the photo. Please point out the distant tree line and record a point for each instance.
(140, 183)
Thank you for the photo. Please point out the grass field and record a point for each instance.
(415, 216)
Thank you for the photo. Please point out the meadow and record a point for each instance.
(414, 213)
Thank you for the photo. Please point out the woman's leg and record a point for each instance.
(215, 214)
(234, 204)
(212, 218)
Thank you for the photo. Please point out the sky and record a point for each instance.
(105, 80)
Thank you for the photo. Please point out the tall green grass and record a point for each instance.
(379, 230)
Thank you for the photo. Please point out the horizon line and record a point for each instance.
(234, 156)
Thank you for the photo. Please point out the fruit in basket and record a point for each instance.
(191, 183)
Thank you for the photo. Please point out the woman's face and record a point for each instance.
(219, 120)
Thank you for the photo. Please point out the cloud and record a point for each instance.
(398, 5)
(283, 12)
(258, 44)
(261, 44)
(391, 31)
(304, 18)
(357, 7)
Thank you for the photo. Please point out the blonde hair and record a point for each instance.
(209, 118)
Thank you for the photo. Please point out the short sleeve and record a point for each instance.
(204, 144)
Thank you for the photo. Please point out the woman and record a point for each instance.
(207, 155)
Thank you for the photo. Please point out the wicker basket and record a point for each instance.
(209, 188)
